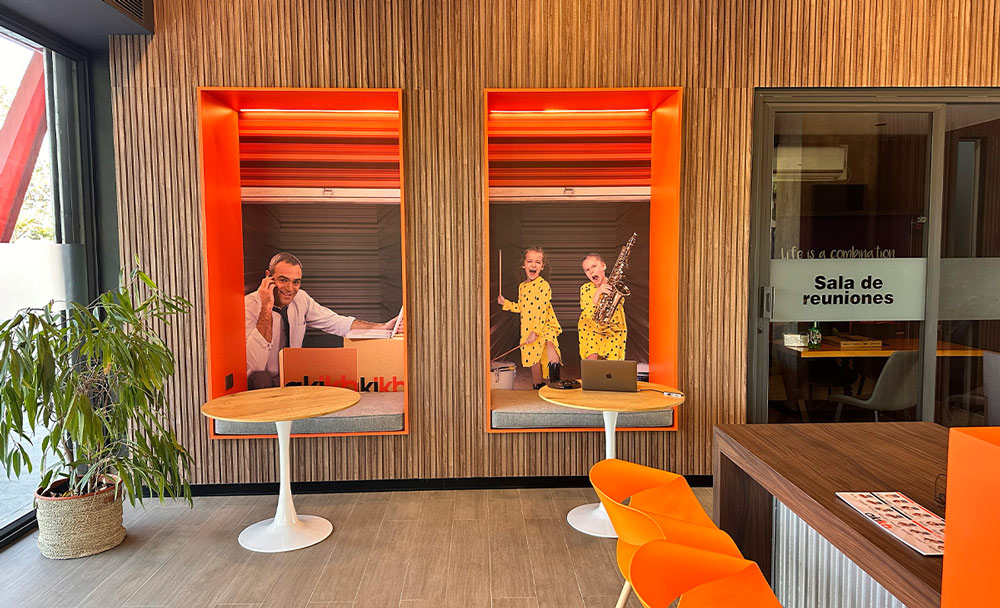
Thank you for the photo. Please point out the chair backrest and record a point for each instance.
(702, 579)
(635, 526)
(621, 479)
(632, 526)
(899, 383)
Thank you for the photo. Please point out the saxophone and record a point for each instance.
(608, 302)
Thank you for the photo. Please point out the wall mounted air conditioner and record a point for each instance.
(811, 163)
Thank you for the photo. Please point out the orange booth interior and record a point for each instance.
(342, 142)
(617, 143)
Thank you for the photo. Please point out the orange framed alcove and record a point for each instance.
(583, 148)
(313, 151)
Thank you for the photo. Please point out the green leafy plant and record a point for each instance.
(89, 381)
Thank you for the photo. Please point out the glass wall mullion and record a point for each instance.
(759, 347)
(929, 333)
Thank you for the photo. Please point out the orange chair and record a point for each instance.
(661, 507)
(701, 579)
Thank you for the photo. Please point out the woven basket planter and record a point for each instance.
(76, 526)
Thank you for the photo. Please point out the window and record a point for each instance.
(43, 192)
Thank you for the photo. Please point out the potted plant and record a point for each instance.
(85, 384)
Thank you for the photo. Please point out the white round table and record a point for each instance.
(287, 530)
(592, 519)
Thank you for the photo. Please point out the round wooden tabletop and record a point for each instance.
(280, 404)
(648, 398)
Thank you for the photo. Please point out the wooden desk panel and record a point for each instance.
(803, 465)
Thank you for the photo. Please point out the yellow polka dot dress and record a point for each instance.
(534, 303)
(608, 341)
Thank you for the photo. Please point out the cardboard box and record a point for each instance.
(381, 363)
(323, 366)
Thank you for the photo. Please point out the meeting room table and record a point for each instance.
(790, 359)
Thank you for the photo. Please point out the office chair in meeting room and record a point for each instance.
(896, 388)
(661, 572)
(661, 506)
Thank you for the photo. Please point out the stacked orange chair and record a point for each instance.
(661, 507)
(662, 572)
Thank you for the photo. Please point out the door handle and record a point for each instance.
(766, 302)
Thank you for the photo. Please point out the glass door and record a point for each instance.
(841, 264)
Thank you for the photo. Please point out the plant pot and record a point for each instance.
(76, 526)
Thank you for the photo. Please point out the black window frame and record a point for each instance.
(74, 188)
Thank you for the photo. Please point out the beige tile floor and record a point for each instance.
(488, 548)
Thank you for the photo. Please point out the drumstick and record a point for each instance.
(499, 271)
(510, 351)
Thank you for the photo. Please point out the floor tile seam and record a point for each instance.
(371, 551)
(330, 548)
(83, 600)
(244, 557)
(31, 595)
(524, 514)
(409, 559)
(371, 556)
(531, 567)
(169, 560)
(576, 572)
(333, 552)
(81, 562)
(159, 530)
(569, 556)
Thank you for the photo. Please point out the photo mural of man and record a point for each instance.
(277, 315)
(599, 340)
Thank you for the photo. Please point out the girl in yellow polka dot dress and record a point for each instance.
(539, 326)
(599, 341)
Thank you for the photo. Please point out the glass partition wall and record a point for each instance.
(874, 295)
(967, 389)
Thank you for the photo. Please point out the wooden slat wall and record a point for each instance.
(443, 53)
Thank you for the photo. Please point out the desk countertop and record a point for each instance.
(803, 465)
(889, 346)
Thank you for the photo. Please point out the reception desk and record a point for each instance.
(802, 466)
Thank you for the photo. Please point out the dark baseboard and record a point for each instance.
(10, 533)
(699, 481)
(403, 485)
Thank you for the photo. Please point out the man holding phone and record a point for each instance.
(277, 315)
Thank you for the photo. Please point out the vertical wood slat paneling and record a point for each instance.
(443, 53)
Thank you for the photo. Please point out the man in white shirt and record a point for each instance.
(277, 315)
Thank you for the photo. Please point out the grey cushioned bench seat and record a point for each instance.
(376, 412)
(514, 409)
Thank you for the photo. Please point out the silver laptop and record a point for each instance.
(365, 334)
(599, 375)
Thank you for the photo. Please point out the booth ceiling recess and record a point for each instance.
(302, 149)
(595, 141)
